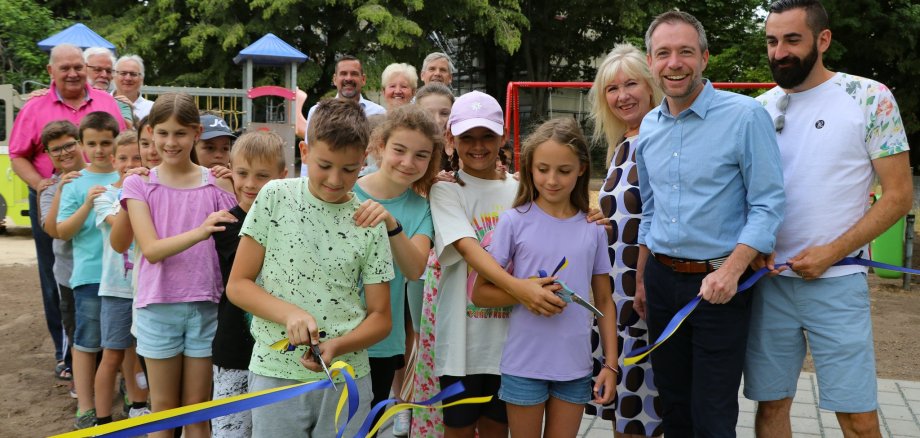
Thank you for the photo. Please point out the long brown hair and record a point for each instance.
(565, 131)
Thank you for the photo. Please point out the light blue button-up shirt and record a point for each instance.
(709, 177)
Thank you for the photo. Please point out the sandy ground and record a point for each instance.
(34, 403)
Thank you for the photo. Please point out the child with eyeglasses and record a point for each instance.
(60, 141)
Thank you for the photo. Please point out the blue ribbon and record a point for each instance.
(451, 390)
(682, 314)
(353, 399)
(239, 406)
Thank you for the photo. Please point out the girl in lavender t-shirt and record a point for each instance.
(173, 212)
(546, 364)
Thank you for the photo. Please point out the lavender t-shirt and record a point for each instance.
(558, 347)
(191, 275)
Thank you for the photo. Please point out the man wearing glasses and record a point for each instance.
(129, 78)
(99, 73)
(69, 98)
(99, 70)
(836, 133)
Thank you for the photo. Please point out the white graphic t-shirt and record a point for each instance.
(468, 339)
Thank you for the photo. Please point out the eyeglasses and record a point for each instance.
(780, 121)
(99, 70)
(132, 74)
(66, 147)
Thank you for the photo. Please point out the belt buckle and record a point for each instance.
(674, 263)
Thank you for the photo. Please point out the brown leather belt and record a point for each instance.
(684, 266)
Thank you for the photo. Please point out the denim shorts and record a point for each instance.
(524, 391)
(829, 316)
(88, 332)
(116, 323)
(168, 330)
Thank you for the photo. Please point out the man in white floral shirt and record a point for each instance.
(836, 133)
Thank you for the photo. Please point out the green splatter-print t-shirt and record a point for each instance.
(315, 258)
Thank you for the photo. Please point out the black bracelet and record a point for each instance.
(396, 230)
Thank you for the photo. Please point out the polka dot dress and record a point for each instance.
(636, 409)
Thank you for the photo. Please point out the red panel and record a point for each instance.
(270, 90)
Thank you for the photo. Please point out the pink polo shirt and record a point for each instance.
(25, 139)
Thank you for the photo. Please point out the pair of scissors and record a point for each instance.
(567, 294)
(285, 346)
(314, 349)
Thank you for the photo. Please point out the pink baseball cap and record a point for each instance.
(474, 110)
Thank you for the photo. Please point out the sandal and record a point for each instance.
(62, 371)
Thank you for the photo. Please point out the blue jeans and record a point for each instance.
(45, 255)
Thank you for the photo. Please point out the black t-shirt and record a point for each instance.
(232, 345)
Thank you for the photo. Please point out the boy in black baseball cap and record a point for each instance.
(214, 146)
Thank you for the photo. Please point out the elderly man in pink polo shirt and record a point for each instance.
(70, 98)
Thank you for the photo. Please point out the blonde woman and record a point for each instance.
(623, 93)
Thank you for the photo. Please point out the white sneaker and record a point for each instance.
(137, 412)
(401, 422)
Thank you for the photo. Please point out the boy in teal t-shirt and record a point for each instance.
(298, 270)
(76, 220)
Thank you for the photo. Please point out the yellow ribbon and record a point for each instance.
(403, 406)
(336, 369)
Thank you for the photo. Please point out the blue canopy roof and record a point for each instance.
(78, 35)
(270, 50)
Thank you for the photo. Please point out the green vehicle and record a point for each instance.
(14, 192)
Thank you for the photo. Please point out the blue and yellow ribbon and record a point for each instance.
(178, 417)
(450, 391)
(175, 418)
(638, 354)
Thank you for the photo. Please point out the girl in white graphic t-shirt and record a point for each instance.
(469, 339)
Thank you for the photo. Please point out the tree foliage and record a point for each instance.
(22, 24)
(192, 42)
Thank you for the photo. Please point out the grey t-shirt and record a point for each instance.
(63, 249)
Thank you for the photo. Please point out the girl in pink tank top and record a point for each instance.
(173, 212)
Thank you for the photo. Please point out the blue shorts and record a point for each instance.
(116, 323)
(168, 330)
(831, 317)
(88, 333)
(524, 391)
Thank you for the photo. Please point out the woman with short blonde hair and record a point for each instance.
(399, 82)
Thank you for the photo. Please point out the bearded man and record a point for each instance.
(836, 132)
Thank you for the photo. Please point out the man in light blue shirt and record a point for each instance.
(349, 79)
(712, 192)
